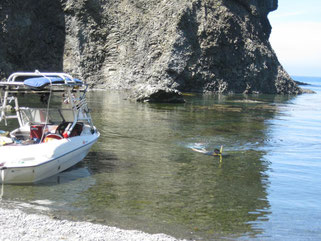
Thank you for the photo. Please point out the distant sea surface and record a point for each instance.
(143, 173)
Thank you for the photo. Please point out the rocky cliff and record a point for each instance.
(154, 48)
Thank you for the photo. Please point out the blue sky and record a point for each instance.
(296, 36)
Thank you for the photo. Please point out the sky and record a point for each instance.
(296, 36)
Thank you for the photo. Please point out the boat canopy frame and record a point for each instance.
(74, 90)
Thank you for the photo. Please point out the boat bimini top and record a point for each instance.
(73, 93)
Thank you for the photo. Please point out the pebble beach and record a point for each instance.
(17, 225)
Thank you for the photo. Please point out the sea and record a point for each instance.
(144, 174)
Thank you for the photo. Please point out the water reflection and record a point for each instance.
(56, 192)
(143, 175)
(161, 183)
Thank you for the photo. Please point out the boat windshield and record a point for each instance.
(39, 116)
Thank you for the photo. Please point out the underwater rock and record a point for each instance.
(157, 94)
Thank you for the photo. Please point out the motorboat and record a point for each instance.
(52, 131)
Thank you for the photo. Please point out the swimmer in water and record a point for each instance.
(216, 152)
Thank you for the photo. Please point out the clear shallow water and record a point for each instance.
(142, 174)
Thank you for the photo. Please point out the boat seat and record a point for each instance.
(51, 136)
(76, 131)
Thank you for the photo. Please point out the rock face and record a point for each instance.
(154, 48)
(32, 36)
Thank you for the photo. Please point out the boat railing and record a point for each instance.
(15, 84)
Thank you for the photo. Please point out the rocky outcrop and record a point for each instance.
(32, 36)
(155, 48)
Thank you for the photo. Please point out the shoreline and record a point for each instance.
(17, 225)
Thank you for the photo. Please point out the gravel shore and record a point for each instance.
(17, 225)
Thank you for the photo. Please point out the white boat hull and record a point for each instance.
(45, 160)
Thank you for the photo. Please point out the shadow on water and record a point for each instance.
(103, 162)
(143, 175)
